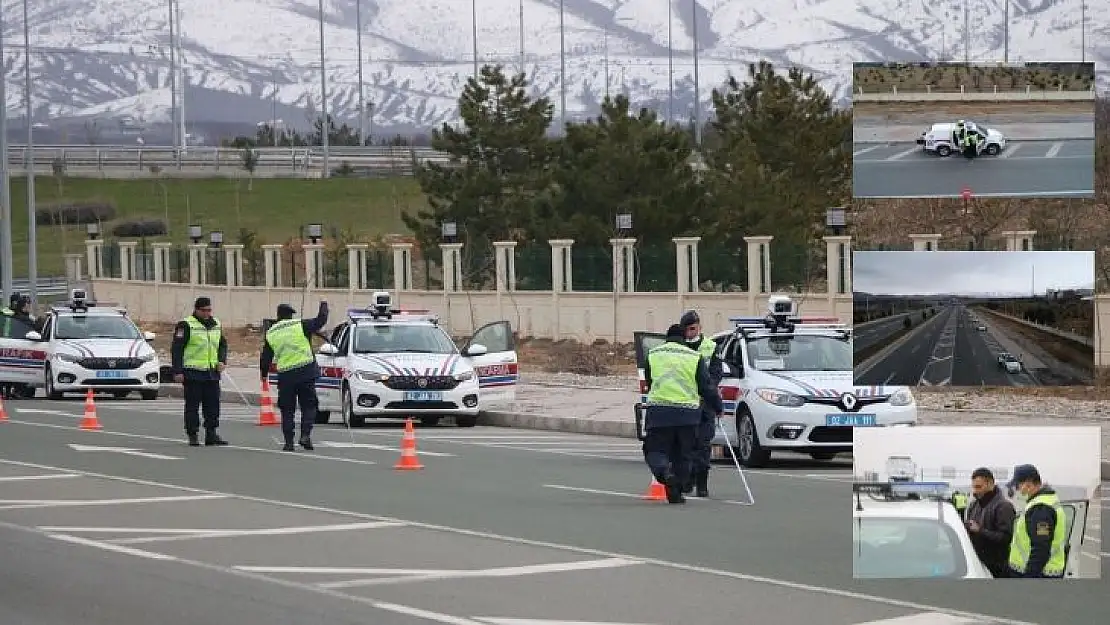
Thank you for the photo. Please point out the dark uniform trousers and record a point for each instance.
(201, 395)
(703, 443)
(669, 452)
(297, 386)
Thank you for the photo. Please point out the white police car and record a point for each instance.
(907, 529)
(788, 386)
(81, 346)
(387, 363)
(937, 139)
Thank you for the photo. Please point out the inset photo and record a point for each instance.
(951, 130)
(977, 502)
(973, 318)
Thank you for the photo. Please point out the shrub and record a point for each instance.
(74, 213)
(139, 228)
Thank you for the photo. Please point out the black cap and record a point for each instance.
(202, 302)
(676, 332)
(689, 318)
(1023, 473)
(284, 311)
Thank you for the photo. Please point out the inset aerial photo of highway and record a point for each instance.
(974, 318)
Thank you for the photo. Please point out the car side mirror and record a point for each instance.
(33, 336)
(476, 349)
(328, 349)
(148, 336)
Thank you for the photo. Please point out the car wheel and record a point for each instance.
(51, 391)
(943, 150)
(993, 149)
(468, 421)
(349, 417)
(149, 395)
(751, 453)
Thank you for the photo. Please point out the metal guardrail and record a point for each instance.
(131, 160)
(53, 285)
(1063, 334)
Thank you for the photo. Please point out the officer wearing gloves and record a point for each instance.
(1040, 533)
(707, 429)
(289, 346)
(678, 381)
(198, 356)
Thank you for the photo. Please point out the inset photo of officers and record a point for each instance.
(977, 503)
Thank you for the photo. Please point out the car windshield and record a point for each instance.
(96, 327)
(391, 339)
(800, 353)
(893, 548)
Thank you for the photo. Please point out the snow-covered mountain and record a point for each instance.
(253, 60)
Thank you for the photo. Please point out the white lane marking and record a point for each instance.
(56, 413)
(512, 540)
(273, 531)
(1014, 147)
(1054, 150)
(1104, 554)
(148, 437)
(21, 504)
(69, 529)
(424, 614)
(866, 150)
(52, 476)
(901, 155)
(615, 493)
(506, 571)
(77, 540)
(493, 620)
(127, 451)
(345, 445)
(927, 618)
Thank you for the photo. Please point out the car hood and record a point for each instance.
(104, 348)
(825, 384)
(412, 364)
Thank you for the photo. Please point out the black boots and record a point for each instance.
(194, 440)
(702, 483)
(211, 439)
(305, 442)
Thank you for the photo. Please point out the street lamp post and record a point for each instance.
(605, 48)
(361, 95)
(32, 227)
(521, 36)
(697, 84)
(173, 83)
(670, 62)
(474, 33)
(324, 125)
(562, 68)
(5, 183)
(182, 82)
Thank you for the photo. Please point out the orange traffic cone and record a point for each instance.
(3, 413)
(266, 406)
(656, 492)
(408, 460)
(90, 422)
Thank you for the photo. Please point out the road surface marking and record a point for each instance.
(614, 493)
(19, 504)
(57, 413)
(127, 451)
(901, 155)
(506, 571)
(492, 620)
(67, 529)
(927, 618)
(343, 445)
(1054, 150)
(52, 476)
(425, 614)
(829, 591)
(1014, 147)
(866, 150)
(274, 531)
(150, 555)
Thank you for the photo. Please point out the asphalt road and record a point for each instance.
(879, 330)
(948, 350)
(500, 525)
(1023, 169)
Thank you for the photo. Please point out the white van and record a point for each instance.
(937, 139)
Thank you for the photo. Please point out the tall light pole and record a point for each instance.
(361, 95)
(6, 264)
(324, 126)
(32, 227)
(967, 34)
(1082, 31)
(173, 83)
(184, 84)
(670, 61)
(1006, 31)
(697, 83)
(562, 68)
(605, 48)
(474, 33)
(521, 36)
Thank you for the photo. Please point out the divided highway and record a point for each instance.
(871, 333)
(957, 348)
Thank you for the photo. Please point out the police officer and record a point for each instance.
(199, 356)
(1040, 534)
(960, 501)
(678, 380)
(19, 309)
(287, 344)
(707, 429)
(971, 144)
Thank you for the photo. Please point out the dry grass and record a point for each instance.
(979, 78)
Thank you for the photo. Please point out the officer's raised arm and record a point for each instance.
(312, 326)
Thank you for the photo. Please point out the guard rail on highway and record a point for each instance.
(109, 160)
(1063, 334)
(47, 286)
(1035, 95)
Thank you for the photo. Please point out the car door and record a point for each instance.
(644, 343)
(332, 369)
(22, 360)
(497, 368)
(1075, 512)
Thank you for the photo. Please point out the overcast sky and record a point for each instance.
(971, 273)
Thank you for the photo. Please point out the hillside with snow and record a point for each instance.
(246, 61)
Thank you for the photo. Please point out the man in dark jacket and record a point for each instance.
(990, 522)
(678, 381)
(198, 356)
(1038, 548)
(707, 429)
(288, 344)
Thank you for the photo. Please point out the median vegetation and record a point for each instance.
(952, 77)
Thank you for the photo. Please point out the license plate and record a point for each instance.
(853, 420)
(110, 374)
(423, 396)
